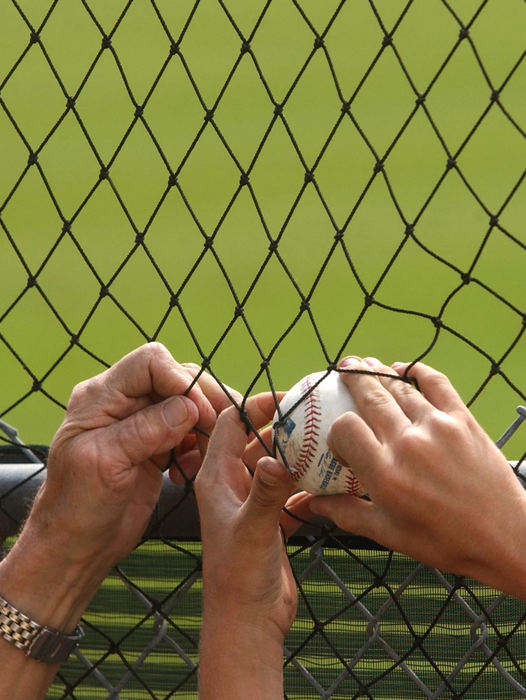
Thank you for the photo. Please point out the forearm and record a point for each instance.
(52, 587)
(239, 659)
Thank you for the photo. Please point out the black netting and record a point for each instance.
(264, 187)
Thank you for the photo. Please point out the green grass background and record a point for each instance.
(453, 225)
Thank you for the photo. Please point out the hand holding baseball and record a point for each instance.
(440, 490)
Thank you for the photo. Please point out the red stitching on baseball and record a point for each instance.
(352, 484)
(312, 414)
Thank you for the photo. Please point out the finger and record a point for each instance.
(151, 431)
(434, 385)
(351, 514)
(355, 445)
(221, 396)
(373, 402)
(410, 400)
(259, 447)
(229, 438)
(270, 490)
(152, 371)
(297, 511)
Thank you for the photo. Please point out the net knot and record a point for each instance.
(70, 102)
(437, 322)
(31, 281)
(409, 229)
(208, 242)
(346, 106)
(37, 386)
(378, 166)
(387, 40)
(309, 176)
(318, 43)
(174, 301)
(495, 369)
(466, 277)
(420, 99)
(524, 319)
(209, 115)
(245, 47)
(106, 42)
(34, 38)
(278, 108)
(495, 94)
(238, 311)
(273, 246)
(463, 33)
(368, 300)
(103, 174)
(139, 237)
(103, 292)
(451, 163)
(174, 48)
(418, 640)
(304, 306)
(172, 180)
(32, 158)
(73, 339)
(205, 362)
(338, 236)
(493, 220)
(458, 582)
(139, 109)
(264, 363)
(244, 179)
(66, 226)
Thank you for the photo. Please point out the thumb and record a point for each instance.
(270, 490)
(152, 430)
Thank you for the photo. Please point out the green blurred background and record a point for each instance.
(209, 72)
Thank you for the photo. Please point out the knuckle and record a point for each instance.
(446, 427)
(437, 379)
(142, 430)
(155, 348)
(376, 399)
(85, 392)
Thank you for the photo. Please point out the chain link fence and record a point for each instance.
(264, 187)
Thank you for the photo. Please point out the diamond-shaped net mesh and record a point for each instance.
(264, 187)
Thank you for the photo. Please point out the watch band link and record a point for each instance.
(38, 641)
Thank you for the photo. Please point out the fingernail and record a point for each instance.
(372, 361)
(175, 410)
(265, 466)
(350, 361)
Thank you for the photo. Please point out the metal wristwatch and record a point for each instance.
(38, 641)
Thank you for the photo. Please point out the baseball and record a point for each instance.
(300, 427)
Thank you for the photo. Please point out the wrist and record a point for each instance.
(240, 656)
(47, 580)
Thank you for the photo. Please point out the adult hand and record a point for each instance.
(105, 463)
(249, 592)
(104, 471)
(440, 489)
(104, 475)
